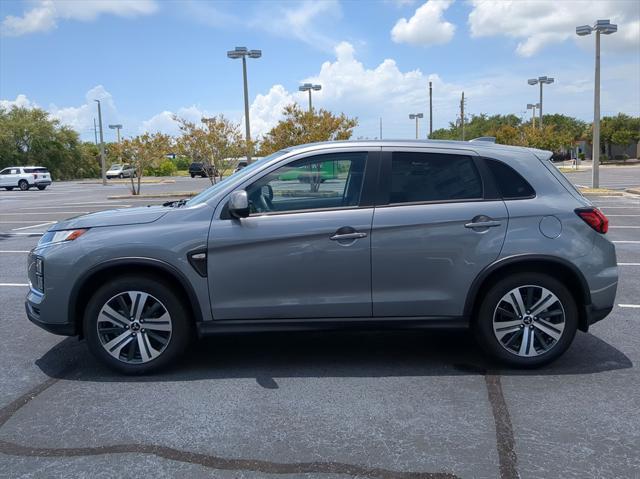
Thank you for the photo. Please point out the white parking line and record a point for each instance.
(34, 226)
(635, 306)
(621, 216)
(619, 264)
(57, 213)
(13, 251)
(624, 227)
(70, 206)
(618, 207)
(630, 241)
(14, 284)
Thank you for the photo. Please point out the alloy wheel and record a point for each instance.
(134, 327)
(529, 320)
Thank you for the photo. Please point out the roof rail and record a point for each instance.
(490, 139)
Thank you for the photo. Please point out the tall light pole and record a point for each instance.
(95, 131)
(430, 110)
(242, 52)
(416, 116)
(308, 87)
(541, 81)
(606, 27)
(104, 174)
(117, 128)
(533, 106)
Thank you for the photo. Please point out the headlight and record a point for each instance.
(60, 236)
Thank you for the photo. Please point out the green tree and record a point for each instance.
(215, 142)
(299, 127)
(618, 130)
(28, 136)
(143, 152)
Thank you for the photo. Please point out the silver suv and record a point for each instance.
(338, 235)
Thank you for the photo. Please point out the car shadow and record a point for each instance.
(269, 356)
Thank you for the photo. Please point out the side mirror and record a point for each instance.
(239, 204)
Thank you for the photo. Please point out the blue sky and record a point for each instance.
(149, 59)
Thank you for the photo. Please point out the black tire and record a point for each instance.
(9, 188)
(23, 185)
(181, 326)
(483, 323)
(42, 187)
(120, 176)
(192, 175)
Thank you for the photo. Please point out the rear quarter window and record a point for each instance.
(509, 182)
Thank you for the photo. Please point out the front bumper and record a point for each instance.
(33, 313)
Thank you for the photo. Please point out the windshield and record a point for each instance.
(114, 167)
(213, 190)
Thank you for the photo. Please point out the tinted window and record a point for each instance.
(36, 170)
(510, 184)
(6, 171)
(317, 182)
(417, 177)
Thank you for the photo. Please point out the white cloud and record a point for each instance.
(80, 118)
(45, 14)
(386, 91)
(537, 24)
(307, 21)
(426, 27)
(163, 122)
(21, 101)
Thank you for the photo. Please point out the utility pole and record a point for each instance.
(102, 159)
(95, 131)
(380, 128)
(462, 114)
(430, 110)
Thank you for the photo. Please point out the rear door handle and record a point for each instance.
(348, 236)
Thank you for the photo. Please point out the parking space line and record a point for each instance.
(14, 284)
(626, 241)
(55, 213)
(13, 251)
(21, 234)
(625, 216)
(34, 226)
(628, 264)
(634, 306)
(624, 227)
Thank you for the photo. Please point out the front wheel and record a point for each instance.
(9, 188)
(136, 325)
(526, 320)
(42, 187)
(23, 185)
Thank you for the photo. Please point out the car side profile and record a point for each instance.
(121, 171)
(378, 234)
(25, 177)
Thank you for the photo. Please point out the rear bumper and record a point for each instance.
(42, 182)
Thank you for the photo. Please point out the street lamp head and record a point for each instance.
(305, 87)
(532, 81)
(419, 115)
(547, 80)
(412, 116)
(115, 127)
(583, 30)
(317, 87)
(606, 27)
(238, 52)
(98, 101)
(255, 53)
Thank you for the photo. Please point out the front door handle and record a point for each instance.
(482, 224)
(348, 236)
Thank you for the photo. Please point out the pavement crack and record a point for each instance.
(505, 439)
(206, 460)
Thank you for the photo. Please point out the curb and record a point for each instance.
(633, 191)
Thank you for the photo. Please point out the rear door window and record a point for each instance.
(425, 177)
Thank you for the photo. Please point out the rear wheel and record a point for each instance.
(42, 187)
(192, 175)
(527, 320)
(136, 324)
(23, 185)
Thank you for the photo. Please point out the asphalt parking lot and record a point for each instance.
(375, 405)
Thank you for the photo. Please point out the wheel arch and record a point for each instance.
(107, 270)
(560, 268)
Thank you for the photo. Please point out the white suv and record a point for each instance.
(24, 177)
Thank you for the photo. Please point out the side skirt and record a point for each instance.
(206, 328)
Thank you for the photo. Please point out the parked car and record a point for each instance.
(202, 169)
(408, 235)
(25, 177)
(121, 171)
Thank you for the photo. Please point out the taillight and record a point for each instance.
(35, 177)
(594, 218)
